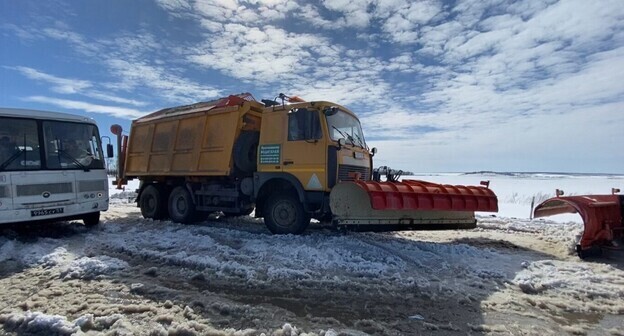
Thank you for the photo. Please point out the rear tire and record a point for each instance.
(284, 214)
(152, 203)
(181, 206)
(91, 219)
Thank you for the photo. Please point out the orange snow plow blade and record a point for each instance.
(417, 204)
(602, 219)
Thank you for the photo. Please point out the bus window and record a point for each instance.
(19, 144)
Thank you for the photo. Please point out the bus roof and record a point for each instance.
(43, 115)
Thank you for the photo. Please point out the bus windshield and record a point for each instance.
(65, 145)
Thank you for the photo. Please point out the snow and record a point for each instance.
(88, 268)
(37, 322)
(588, 287)
(230, 276)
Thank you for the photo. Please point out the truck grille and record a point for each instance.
(344, 170)
(95, 185)
(38, 189)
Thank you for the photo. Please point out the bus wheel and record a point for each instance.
(181, 206)
(91, 219)
(151, 203)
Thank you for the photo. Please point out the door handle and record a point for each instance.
(288, 162)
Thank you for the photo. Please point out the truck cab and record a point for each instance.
(304, 150)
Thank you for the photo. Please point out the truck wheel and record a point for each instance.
(91, 219)
(245, 151)
(284, 214)
(152, 203)
(181, 206)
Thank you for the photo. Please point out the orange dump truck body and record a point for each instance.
(191, 140)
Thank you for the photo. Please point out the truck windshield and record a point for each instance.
(342, 125)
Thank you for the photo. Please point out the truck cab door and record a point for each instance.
(305, 152)
(293, 142)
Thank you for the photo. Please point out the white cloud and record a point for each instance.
(134, 75)
(120, 112)
(15, 30)
(63, 33)
(175, 6)
(132, 59)
(60, 85)
(73, 86)
(356, 13)
(114, 99)
(249, 12)
(403, 24)
(266, 54)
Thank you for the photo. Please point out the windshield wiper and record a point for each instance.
(360, 141)
(76, 162)
(344, 135)
(11, 159)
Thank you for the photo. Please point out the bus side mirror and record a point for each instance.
(374, 150)
(109, 151)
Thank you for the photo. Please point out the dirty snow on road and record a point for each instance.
(230, 276)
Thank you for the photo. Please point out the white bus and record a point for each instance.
(51, 167)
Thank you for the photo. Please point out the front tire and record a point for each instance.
(152, 203)
(284, 214)
(181, 206)
(91, 219)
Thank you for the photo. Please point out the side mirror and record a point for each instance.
(374, 150)
(109, 151)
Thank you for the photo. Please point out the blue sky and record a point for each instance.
(438, 85)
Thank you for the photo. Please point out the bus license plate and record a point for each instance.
(45, 212)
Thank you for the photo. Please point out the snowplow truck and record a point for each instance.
(289, 162)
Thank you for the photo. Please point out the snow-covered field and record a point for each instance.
(229, 276)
